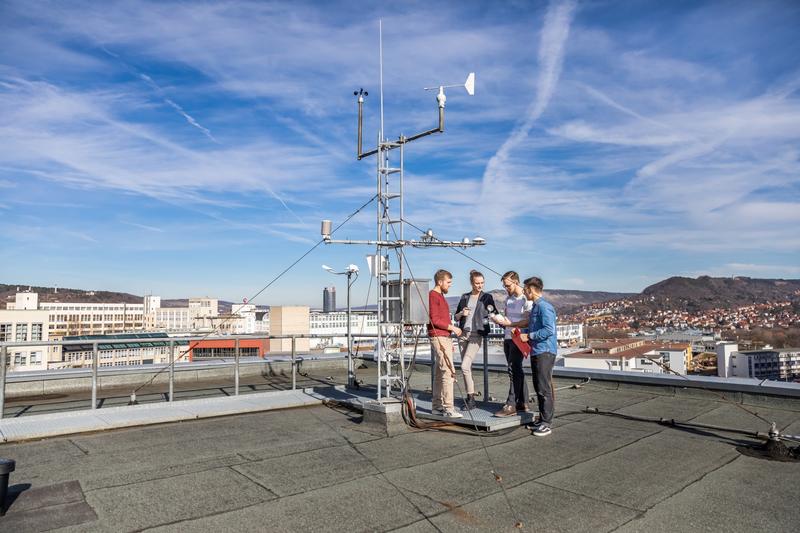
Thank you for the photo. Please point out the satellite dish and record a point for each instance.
(469, 85)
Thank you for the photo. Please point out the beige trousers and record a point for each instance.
(444, 373)
(469, 347)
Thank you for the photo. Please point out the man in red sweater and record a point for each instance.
(439, 329)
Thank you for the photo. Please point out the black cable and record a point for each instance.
(498, 478)
(667, 368)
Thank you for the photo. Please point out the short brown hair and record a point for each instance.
(535, 282)
(441, 274)
(513, 276)
(474, 274)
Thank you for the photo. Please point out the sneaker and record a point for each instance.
(438, 412)
(536, 422)
(452, 414)
(542, 430)
(507, 410)
(469, 402)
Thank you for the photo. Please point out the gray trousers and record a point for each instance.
(542, 369)
(517, 386)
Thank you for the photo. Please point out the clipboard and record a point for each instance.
(524, 347)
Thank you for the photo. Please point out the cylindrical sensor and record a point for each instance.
(325, 229)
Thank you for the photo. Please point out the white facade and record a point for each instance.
(336, 324)
(725, 351)
(200, 315)
(633, 355)
(83, 318)
(140, 351)
(776, 364)
(25, 325)
(566, 333)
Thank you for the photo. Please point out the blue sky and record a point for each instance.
(191, 148)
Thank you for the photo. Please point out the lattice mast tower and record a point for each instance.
(400, 318)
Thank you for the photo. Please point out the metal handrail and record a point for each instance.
(172, 342)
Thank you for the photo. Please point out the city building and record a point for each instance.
(26, 324)
(634, 355)
(222, 348)
(361, 322)
(142, 349)
(727, 365)
(82, 318)
(197, 317)
(776, 364)
(289, 320)
(329, 299)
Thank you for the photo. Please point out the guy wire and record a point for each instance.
(193, 344)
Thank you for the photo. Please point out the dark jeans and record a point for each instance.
(542, 369)
(517, 386)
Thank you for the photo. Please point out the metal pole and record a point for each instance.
(486, 369)
(294, 367)
(433, 370)
(379, 263)
(236, 371)
(3, 363)
(351, 378)
(94, 375)
(171, 370)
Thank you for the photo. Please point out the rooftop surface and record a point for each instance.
(319, 468)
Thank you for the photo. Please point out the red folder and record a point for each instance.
(523, 346)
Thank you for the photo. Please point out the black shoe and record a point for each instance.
(469, 403)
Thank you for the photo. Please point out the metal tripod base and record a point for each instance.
(481, 417)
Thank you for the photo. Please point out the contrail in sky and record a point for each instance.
(554, 35)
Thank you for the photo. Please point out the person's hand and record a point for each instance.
(457, 331)
(465, 312)
(524, 337)
(501, 320)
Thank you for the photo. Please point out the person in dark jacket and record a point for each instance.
(472, 314)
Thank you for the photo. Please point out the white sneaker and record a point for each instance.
(438, 412)
(452, 414)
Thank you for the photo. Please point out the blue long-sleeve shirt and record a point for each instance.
(542, 328)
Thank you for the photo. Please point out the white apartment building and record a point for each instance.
(776, 364)
(321, 323)
(26, 319)
(198, 316)
(25, 325)
(82, 318)
(143, 349)
(634, 356)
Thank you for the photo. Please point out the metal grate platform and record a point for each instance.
(482, 417)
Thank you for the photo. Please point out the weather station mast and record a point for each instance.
(402, 300)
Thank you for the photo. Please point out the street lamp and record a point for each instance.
(349, 271)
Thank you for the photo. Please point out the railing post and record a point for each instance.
(486, 368)
(171, 370)
(433, 368)
(236, 371)
(3, 363)
(294, 367)
(95, 354)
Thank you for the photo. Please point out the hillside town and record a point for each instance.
(634, 314)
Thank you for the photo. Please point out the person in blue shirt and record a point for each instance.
(544, 346)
